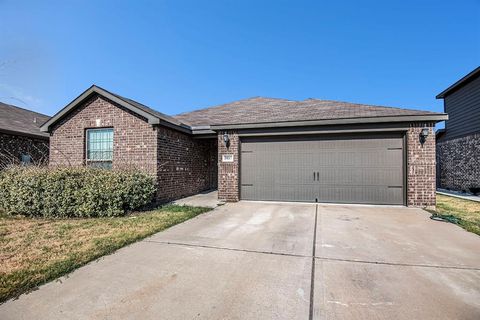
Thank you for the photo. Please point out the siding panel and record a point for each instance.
(463, 108)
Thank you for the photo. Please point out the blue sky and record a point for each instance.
(177, 56)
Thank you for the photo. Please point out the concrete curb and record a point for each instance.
(455, 195)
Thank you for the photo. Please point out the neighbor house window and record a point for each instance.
(26, 159)
(99, 148)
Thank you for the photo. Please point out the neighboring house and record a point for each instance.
(458, 145)
(21, 140)
(257, 148)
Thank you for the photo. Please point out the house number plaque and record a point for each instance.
(227, 157)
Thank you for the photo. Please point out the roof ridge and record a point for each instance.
(367, 105)
(299, 102)
(231, 102)
(130, 101)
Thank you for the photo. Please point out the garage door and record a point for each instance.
(340, 169)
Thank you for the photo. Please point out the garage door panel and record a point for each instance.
(295, 176)
(290, 192)
(364, 158)
(346, 169)
(360, 194)
(364, 177)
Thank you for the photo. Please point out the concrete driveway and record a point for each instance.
(252, 260)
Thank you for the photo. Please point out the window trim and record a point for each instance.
(89, 162)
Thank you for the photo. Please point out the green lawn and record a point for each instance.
(465, 213)
(35, 251)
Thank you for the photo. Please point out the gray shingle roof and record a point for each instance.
(267, 110)
(22, 121)
(258, 112)
(146, 108)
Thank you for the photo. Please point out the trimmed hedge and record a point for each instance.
(73, 192)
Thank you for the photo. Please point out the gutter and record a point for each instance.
(26, 134)
(463, 81)
(427, 118)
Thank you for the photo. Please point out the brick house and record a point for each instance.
(258, 148)
(21, 140)
(458, 145)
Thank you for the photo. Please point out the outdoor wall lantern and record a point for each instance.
(226, 140)
(423, 135)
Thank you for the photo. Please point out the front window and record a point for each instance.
(100, 148)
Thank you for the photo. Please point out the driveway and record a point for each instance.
(252, 260)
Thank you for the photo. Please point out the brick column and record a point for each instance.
(421, 167)
(228, 172)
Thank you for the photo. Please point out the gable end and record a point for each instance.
(151, 116)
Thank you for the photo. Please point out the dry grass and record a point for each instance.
(34, 251)
(465, 213)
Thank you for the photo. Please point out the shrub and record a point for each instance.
(73, 192)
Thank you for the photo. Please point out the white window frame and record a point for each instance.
(101, 163)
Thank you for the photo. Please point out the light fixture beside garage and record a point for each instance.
(226, 140)
(423, 135)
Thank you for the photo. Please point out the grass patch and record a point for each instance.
(34, 251)
(465, 213)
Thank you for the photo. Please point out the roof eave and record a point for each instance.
(181, 128)
(418, 118)
(203, 132)
(151, 119)
(464, 80)
(25, 134)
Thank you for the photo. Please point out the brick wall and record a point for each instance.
(134, 140)
(12, 147)
(186, 165)
(182, 165)
(420, 167)
(458, 163)
(228, 172)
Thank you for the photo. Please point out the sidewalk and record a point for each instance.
(204, 199)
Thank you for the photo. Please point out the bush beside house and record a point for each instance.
(73, 192)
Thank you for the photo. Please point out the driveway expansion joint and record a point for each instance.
(399, 264)
(312, 280)
(313, 257)
(228, 249)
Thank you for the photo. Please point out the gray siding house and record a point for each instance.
(458, 145)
